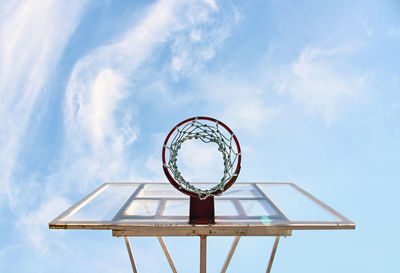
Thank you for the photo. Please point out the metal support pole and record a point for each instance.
(271, 259)
(230, 254)
(128, 247)
(164, 247)
(203, 254)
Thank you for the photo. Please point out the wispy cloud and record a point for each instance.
(320, 82)
(34, 223)
(99, 127)
(97, 133)
(240, 103)
(194, 46)
(99, 109)
(32, 38)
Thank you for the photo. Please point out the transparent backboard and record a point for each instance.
(149, 209)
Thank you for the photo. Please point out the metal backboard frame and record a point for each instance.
(276, 221)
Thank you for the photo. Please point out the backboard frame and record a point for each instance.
(131, 226)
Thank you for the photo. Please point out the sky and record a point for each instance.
(89, 90)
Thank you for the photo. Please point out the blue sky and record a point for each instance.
(89, 89)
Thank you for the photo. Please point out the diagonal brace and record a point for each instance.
(271, 259)
(128, 247)
(164, 247)
(230, 254)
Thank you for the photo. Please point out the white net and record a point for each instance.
(206, 132)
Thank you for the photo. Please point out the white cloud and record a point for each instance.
(320, 82)
(99, 126)
(240, 104)
(99, 123)
(32, 38)
(251, 114)
(198, 43)
(153, 165)
(212, 4)
(34, 223)
(96, 115)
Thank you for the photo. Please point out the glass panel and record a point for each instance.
(296, 205)
(142, 208)
(225, 208)
(239, 221)
(160, 191)
(104, 205)
(176, 208)
(241, 190)
(257, 208)
(155, 221)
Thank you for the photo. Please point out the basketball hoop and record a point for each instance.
(207, 130)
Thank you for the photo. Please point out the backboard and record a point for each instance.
(157, 209)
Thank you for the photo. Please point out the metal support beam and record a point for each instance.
(164, 247)
(271, 259)
(203, 254)
(128, 247)
(230, 254)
